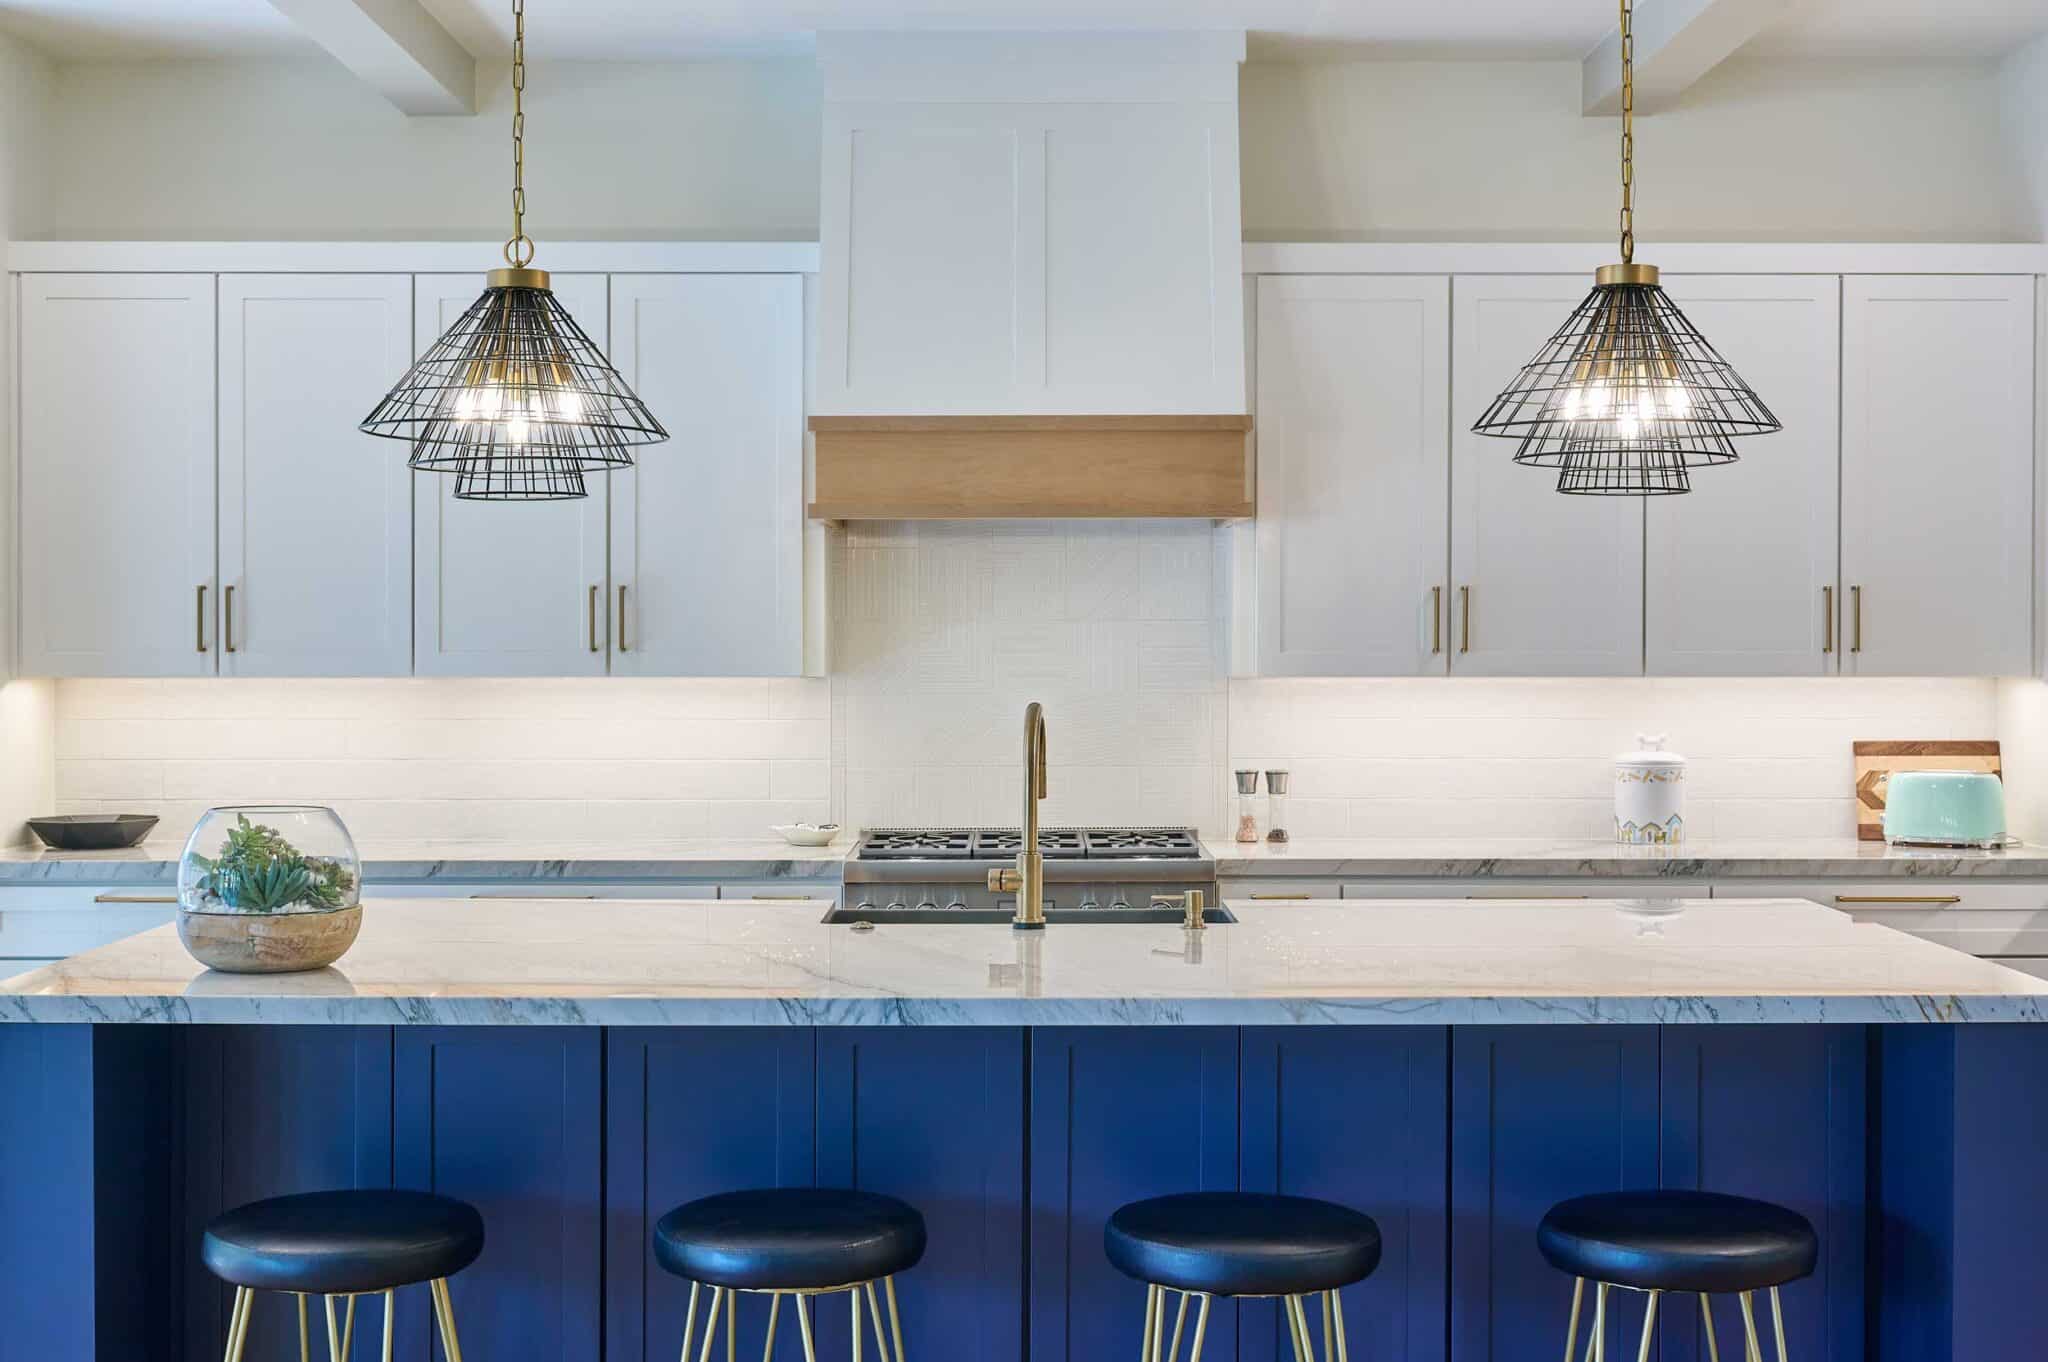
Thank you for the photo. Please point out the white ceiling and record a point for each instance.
(669, 29)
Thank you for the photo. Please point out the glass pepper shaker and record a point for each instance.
(1276, 806)
(1247, 806)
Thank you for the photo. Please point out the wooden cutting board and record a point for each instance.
(1875, 762)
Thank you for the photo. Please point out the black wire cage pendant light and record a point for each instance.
(515, 399)
(1627, 397)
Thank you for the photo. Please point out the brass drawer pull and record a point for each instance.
(1464, 619)
(536, 898)
(1827, 618)
(1280, 898)
(1436, 621)
(1933, 899)
(134, 898)
(1521, 898)
(227, 616)
(590, 617)
(780, 898)
(199, 619)
(1856, 619)
(624, 647)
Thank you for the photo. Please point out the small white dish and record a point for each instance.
(808, 834)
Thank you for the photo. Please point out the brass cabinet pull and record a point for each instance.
(134, 898)
(227, 618)
(590, 615)
(780, 898)
(199, 618)
(533, 898)
(1827, 619)
(1856, 619)
(1276, 898)
(624, 647)
(1521, 898)
(1464, 619)
(1436, 620)
(1935, 900)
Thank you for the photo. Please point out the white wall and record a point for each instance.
(1755, 151)
(950, 633)
(303, 149)
(26, 763)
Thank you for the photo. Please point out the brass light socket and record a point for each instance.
(517, 278)
(1625, 274)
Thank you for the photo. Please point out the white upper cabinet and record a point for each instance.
(1741, 570)
(507, 588)
(117, 464)
(315, 516)
(1031, 223)
(1354, 473)
(1542, 584)
(1938, 475)
(707, 547)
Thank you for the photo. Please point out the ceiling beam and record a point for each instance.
(1677, 42)
(396, 47)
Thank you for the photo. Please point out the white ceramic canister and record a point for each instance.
(1649, 794)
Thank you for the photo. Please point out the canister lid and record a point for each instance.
(1650, 755)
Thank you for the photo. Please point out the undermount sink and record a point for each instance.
(1056, 917)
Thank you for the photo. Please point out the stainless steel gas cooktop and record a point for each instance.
(922, 871)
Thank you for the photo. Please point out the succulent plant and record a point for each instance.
(258, 871)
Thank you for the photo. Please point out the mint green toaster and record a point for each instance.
(1945, 808)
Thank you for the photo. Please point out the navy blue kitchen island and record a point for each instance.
(1327, 1052)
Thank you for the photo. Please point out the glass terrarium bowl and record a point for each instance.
(266, 889)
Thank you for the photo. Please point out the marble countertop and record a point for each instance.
(156, 861)
(1497, 858)
(678, 962)
(396, 862)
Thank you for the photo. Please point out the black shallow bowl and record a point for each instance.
(93, 831)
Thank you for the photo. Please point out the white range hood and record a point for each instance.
(1033, 225)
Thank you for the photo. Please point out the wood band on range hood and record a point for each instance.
(1031, 467)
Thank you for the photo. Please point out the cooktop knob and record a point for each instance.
(926, 905)
(958, 905)
(864, 906)
(897, 905)
(1119, 904)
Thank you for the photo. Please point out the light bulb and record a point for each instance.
(1676, 400)
(1596, 400)
(568, 405)
(1573, 404)
(1628, 427)
(1646, 405)
(518, 430)
(465, 405)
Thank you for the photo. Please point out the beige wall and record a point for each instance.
(1410, 150)
(26, 763)
(1756, 151)
(302, 149)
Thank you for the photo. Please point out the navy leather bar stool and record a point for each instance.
(1209, 1244)
(799, 1242)
(343, 1244)
(1703, 1243)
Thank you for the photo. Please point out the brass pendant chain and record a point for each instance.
(1628, 133)
(519, 250)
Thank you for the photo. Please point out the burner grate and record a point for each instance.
(1064, 843)
(1121, 842)
(921, 844)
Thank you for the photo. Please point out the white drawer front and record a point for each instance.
(1278, 889)
(1990, 918)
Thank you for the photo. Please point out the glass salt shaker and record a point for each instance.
(1276, 806)
(1247, 806)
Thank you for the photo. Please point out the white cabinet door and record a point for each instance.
(1543, 584)
(1740, 572)
(707, 552)
(1354, 474)
(1031, 256)
(1938, 475)
(506, 588)
(117, 445)
(315, 516)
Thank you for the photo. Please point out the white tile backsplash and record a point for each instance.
(942, 632)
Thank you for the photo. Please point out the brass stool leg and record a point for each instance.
(875, 1320)
(305, 1349)
(718, 1295)
(1707, 1321)
(1337, 1310)
(1649, 1327)
(1600, 1323)
(387, 1326)
(1571, 1330)
(333, 1333)
(690, 1322)
(444, 1311)
(895, 1320)
(1180, 1324)
(1201, 1331)
(1778, 1323)
(853, 1296)
(774, 1310)
(803, 1324)
(1753, 1352)
(238, 1323)
(1151, 1322)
